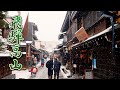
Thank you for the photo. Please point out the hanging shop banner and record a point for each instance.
(81, 34)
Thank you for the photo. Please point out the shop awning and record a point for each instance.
(5, 53)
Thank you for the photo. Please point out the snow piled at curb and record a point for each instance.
(66, 73)
(24, 74)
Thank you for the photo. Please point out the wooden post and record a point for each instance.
(28, 54)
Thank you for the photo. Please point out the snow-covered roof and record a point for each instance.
(5, 54)
(75, 44)
(23, 52)
(21, 43)
(56, 49)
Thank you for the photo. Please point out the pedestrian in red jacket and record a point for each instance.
(33, 71)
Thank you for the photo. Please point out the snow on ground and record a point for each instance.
(25, 74)
(38, 65)
(42, 73)
(65, 73)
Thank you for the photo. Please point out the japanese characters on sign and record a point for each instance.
(15, 37)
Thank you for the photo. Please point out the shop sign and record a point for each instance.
(88, 74)
(81, 34)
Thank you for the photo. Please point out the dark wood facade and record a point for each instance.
(5, 60)
(4, 66)
(108, 67)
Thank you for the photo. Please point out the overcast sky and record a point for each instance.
(49, 23)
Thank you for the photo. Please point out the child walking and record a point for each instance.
(33, 71)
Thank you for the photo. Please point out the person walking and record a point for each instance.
(53, 66)
(33, 71)
(76, 62)
(49, 65)
(57, 66)
(42, 61)
(35, 61)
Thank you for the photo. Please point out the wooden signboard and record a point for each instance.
(81, 34)
(88, 74)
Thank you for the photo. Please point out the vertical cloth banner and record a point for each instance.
(94, 66)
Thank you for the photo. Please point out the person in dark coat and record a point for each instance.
(53, 65)
(49, 65)
(57, 66)
(76, 62)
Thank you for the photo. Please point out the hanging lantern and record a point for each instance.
(116, 46)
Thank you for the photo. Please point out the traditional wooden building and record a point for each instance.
(26, 46)
(89, 34)
(5, 60)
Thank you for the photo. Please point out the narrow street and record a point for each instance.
(79, 44)
(43, 72)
